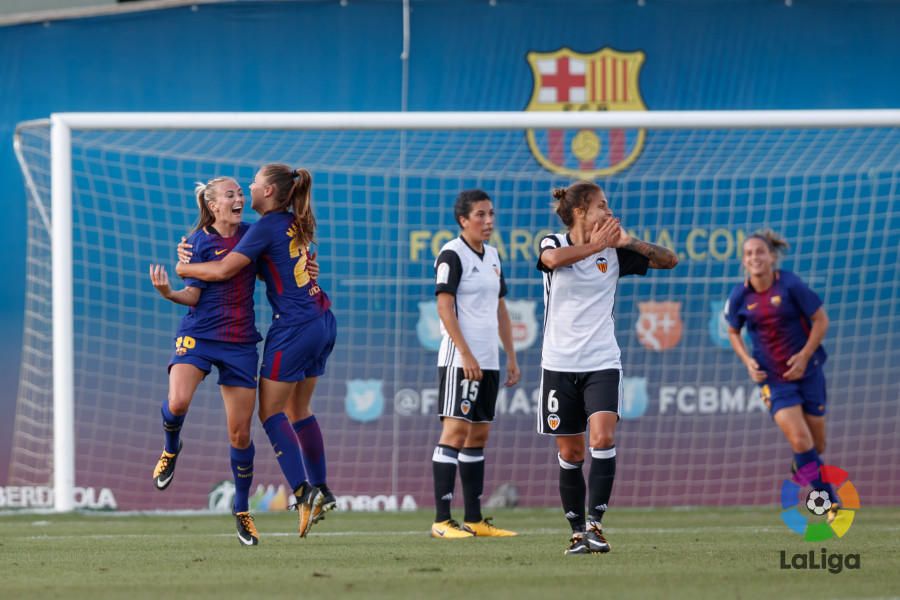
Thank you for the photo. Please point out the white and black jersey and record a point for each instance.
(579, 332)
(476, 282)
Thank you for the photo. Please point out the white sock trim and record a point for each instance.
(603, 452)
(468, 458)
(567, 465)
(442, 455)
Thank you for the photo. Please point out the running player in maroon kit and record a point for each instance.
(219, 330)
(303, 329)
(786, 323)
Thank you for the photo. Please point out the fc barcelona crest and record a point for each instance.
(569, 80)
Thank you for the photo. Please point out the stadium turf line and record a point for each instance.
(663, 553)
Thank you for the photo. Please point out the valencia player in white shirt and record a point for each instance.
(470, 290)
(581, 379)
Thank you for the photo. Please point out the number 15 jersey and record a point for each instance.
(476, 283)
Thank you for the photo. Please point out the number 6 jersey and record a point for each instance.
(579, 332)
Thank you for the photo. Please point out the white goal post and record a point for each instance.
(63, 125)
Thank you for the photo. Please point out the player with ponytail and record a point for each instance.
(581, 379)
(303, 328)
(786, 322)
(219, 330)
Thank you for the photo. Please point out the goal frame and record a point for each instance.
(63, 124)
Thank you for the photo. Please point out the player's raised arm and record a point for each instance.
(660, 257)
(602, 236)
(188, 296)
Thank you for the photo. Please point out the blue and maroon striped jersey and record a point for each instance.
(272, 243)
(225, 310)
(778, 321)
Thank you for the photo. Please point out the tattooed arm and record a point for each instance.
(660, 256)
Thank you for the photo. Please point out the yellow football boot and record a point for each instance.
(449, 530)
(485, 528)
(165, 468)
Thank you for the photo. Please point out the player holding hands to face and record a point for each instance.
(581, 381)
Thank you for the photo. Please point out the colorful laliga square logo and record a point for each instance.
(819, 502)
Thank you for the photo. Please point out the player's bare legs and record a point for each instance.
(795, 428)
(454, 432)
(816, 426)
(273, 397)
(239, 404)
(298, 405)
(309, 434)
(478, 435)
(183, 382)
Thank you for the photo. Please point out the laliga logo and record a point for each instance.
(818, 503)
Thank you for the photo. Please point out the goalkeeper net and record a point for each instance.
(694, 429)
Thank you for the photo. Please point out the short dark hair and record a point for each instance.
(464, 203)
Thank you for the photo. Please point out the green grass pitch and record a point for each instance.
(661, 553)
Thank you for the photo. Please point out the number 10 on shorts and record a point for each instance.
(183, 344)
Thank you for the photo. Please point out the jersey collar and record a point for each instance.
(775, 279)
(476, 252)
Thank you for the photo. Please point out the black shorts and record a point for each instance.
(472, 401)
(569, 399)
